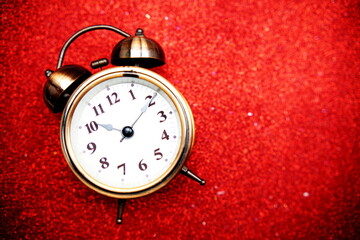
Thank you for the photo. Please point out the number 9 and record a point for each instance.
(92, 147)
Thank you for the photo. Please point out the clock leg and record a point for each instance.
(121, 206)
(192, 175)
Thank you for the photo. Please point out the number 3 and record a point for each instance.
(162, 115)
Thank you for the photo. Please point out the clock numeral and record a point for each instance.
(92, 147)
(92, 126)
(113, 98)
(132, 95)
(151, 103)
(99, 107)
(164, 135)
(158, 154)
(104, 163)
(162, 115)
(122, 166)
(142, 166)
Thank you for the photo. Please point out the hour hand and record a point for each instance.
(108, 127)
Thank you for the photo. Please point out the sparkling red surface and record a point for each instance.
(274, 88)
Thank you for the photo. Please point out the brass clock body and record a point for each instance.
(124, 78)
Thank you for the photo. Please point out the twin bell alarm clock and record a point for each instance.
(125, 131)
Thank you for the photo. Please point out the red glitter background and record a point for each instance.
(274, 88)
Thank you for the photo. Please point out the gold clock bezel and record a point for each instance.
(186, 122)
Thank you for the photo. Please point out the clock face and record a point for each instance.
(126, 133)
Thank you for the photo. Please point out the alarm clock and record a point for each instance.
(125, 131)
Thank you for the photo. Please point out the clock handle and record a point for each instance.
(188, 173)
(85, 30)
(64, 80)
(121, 207)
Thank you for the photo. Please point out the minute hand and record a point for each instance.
(144, 108)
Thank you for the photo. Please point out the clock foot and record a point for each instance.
(192, 175)
(121, 206)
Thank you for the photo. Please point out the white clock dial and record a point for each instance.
(125, 134)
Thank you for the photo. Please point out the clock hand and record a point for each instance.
(128, 129)
(144, 108)
(108, 127)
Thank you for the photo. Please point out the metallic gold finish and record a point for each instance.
(186, 122)
(192, 175)
(138, 51)
(69, 84)
(64, 80)
(61, 84)
(99, 63)
(85, 30)
(121, 206)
